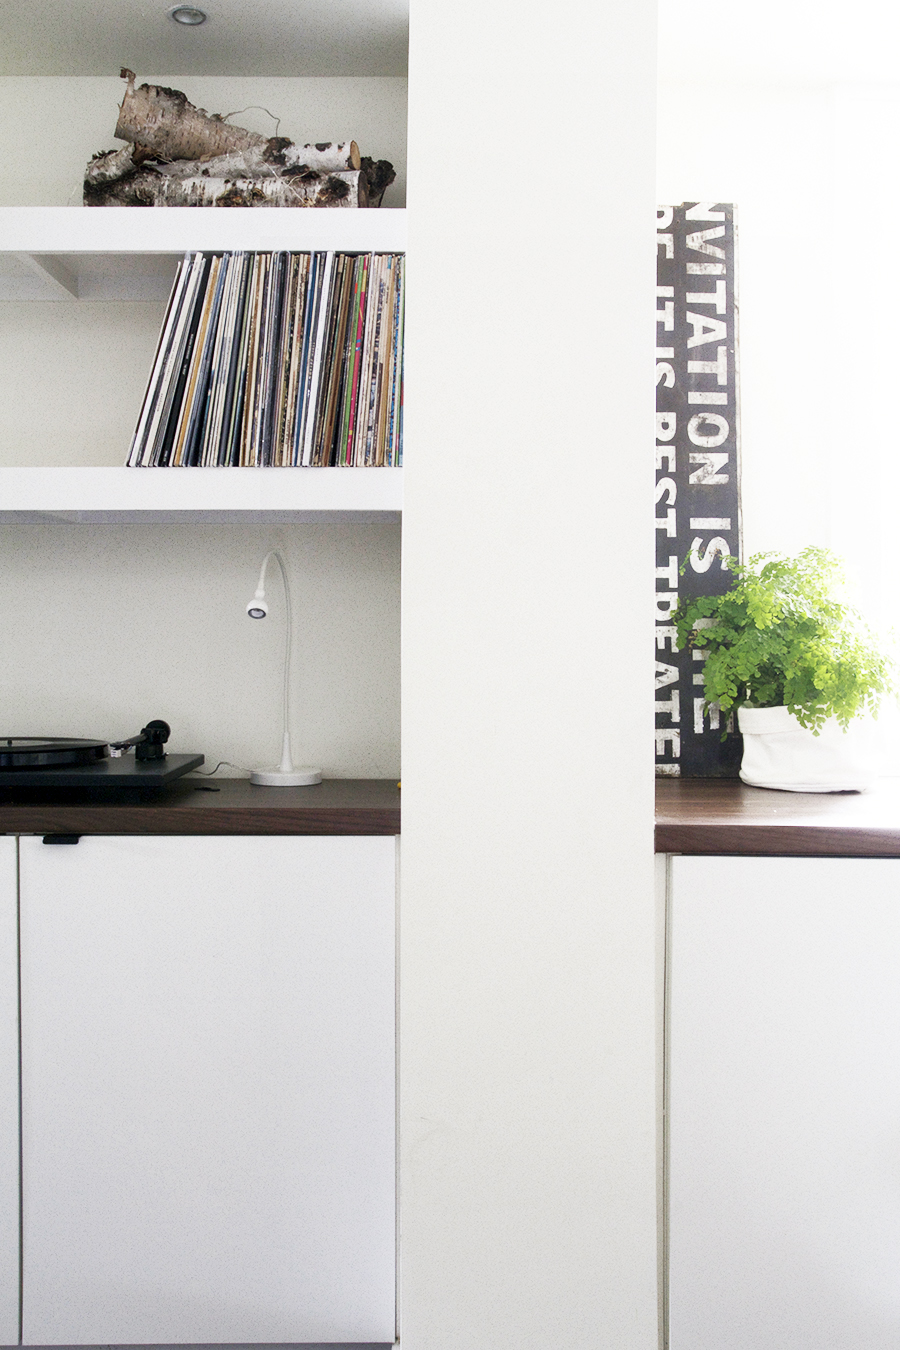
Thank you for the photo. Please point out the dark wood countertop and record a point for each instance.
(337, 806)
(714, 815)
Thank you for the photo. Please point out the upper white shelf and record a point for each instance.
(145, 496)
(51, 252)
(176, 229)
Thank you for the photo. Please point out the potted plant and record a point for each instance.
(798, 665)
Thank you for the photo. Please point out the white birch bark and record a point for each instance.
(164, 122)
(150, 188)
(259, 161)
(109, 166)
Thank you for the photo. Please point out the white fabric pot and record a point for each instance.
(779, 753)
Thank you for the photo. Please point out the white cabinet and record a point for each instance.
(207, 1090)
(9, 1098)
(784, 1104)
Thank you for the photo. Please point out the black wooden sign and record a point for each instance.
(697, 470)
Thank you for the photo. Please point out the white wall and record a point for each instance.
(527, 924)
(72, 379)
(105, 627)
(802, 144)
(51, 126)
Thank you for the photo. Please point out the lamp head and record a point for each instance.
(258, 607)
(188, 14)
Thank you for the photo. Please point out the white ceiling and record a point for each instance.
(783, 40)
(731, 39)
(240, 37)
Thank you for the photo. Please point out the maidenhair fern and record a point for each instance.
(781, 636)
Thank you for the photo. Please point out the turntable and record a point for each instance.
(66, 762)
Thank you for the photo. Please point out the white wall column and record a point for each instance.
(527, 941)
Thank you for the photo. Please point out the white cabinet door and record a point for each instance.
(9, 1097)
(785, 1104)
(208, 1102)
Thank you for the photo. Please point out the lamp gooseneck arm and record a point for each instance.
(285, 775)
(286, 765)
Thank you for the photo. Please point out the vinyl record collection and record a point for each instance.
(277, 359)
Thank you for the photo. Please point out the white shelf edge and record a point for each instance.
(71, 230)
(119, 495)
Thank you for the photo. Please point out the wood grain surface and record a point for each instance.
(235, 806)
(707, 815)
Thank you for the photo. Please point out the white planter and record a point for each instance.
(779, 753)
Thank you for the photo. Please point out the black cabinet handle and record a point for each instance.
(61, 838)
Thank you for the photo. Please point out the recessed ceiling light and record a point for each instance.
(188, 15)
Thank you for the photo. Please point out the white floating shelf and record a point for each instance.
(175, 229)
(123, 252)
(145, 496)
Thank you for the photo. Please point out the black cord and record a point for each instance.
(208, 773)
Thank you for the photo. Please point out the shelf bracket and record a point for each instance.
(62, 283)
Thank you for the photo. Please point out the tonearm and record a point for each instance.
(148, 745)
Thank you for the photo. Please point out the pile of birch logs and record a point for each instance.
(179, 155)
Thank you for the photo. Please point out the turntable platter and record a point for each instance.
(48, 752)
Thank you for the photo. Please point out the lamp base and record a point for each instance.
(304, 777)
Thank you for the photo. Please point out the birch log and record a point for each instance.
(323, 157)
(261, 161)
(147, 187)
(379, 176)
(169, 125)
(166, 123)
(109, 166)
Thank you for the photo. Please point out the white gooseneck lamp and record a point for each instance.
(285, 775)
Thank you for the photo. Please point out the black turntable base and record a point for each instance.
(49, 762)
(126, 772)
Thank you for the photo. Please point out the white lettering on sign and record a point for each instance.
(663, 734)
(698, 242)
(703, 559)
(665, 426)
(716, 297)
(697, 441)
(709, 439)
(664, 218)
(699, 655)
(713, 711)
(709, 465)
(705, 330)
(719, 367)
(669, 574)
(670, 706)
(703, 211)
